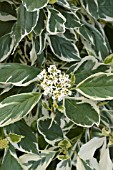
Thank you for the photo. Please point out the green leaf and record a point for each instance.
(109, 59)
(6, 44)
(65, 144)
(96, 39)
(37, 162)
(28, 142)
(40, 42)
(72, 21)
(82, 112)
(87, 66)
(75, 133)
(55, 21)
(40, 23)
(34, 5)
(15, 138)
(99, 9)
(50, 130)
(10, 160)
(64, 50)
(15, 107)
(17, 74)
(26, 21)
(97, 87)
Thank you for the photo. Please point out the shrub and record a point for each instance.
(56, 85)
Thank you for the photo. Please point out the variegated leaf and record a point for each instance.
(7, 17)
(99, 9)
(6, 44)
(10, 160)
(40, 42)
(37, 162)
(97, 87)
(26, 21)
(28, 143)
(40, 23)
(95, 39)
(34, 5)
(87, 66)
(55, 22)
(64, 165)
(72, 20)
(15, 107)
(81, 111)
(17, 74)
(63, 3)
(63, 49)
(51, 131)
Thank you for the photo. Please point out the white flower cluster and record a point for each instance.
(54, 83)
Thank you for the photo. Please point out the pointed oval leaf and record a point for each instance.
(17, 74)
(99, 9)
(15, 107)
(6, 44)
(82, 112)
(26, 21)
(97, 87)
(37, 162)
(63, 49)
(55, 21)
(11, 160)
(34, 5)
(28, 142)
(51, 131)
(72, 21)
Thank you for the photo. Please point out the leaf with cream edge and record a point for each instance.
(28, 142)
(97, 87)
(64, 165)
(99, 9)
(72, 20)
(55, 22)
(62, 48)
(6, 44)
(87, 66)
(37, 162)
(50, 129)
(26, 22)
(34, 5)
(64, 3)
(81, 111)
(18, 74)
(10, 160)
(15, 107)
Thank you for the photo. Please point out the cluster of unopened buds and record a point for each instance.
(55, 83)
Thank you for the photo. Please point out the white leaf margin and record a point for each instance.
(49, 16)
(84, 100)
(35, 9)
(94, 97)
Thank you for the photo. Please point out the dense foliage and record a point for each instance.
(56, 85)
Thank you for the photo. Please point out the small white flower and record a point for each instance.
(54, 83)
